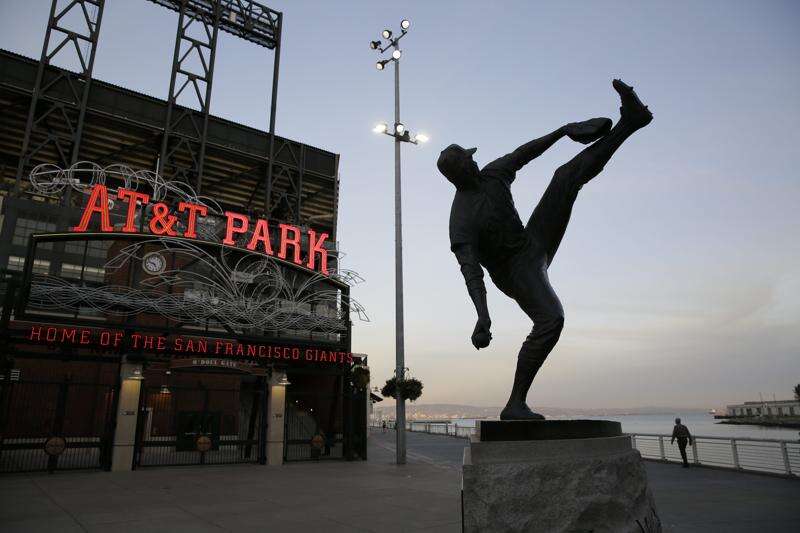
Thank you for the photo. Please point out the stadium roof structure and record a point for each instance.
(126, 127)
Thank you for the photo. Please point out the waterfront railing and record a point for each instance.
(772, 456)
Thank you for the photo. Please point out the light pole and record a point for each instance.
(400, 134)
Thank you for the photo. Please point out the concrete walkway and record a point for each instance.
(361, 496)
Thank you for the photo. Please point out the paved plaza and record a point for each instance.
(373, 496)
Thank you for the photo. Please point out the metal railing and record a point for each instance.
(748, 455)
(755, 455)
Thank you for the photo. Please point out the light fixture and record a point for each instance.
(399, 128)
(380, 64)
(387, 34)
(374, 44)
(380, 128)
(421, 137)
(165, 389)
(136, 374)
(284, 381)
(396, 54)
(405, 24)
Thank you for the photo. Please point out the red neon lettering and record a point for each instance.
(132, 198)
(162, 343)
(117, 338)
(162, 222)
(98, 203)
(68, 335)
(135, 337)
(260, 233)
(191, 224)
(48, 336)
(294, 241)
(86, 336)
(230, 228)
(315, 247)
(36, 331)
(105, 338)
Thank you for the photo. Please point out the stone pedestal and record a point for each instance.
(555, 476)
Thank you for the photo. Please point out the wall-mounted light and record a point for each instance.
(284, 382)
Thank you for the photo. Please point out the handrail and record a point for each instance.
(745, 454)
(713, 437)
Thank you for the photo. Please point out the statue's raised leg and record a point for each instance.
(551, 216)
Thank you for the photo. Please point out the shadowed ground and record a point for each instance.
(361, 496)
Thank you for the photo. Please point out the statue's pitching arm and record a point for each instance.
(473, 277)
(528, 151)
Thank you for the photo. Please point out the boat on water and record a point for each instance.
(712, 411)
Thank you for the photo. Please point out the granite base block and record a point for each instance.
(572, 485)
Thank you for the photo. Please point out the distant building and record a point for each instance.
(774, 408)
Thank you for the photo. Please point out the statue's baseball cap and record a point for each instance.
(451, 160)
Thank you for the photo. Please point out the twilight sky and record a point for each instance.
(680, 271)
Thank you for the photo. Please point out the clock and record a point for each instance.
(154, 263)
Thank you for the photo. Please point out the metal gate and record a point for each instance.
(313, 427)
(55, 425)
(199, 425)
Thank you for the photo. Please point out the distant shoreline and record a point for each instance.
(753, 421)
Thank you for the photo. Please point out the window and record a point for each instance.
(40, 266)
(97, 249)
(791, 410)
(27, 226)
(89, 273)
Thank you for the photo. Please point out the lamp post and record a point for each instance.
(400, 134)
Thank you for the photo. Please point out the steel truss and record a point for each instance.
(243, 18)
(57, 124)
(183, 77)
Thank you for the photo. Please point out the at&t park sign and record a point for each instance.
(164, 222)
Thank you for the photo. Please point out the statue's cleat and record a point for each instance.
(633, 111)
(588, 130)
(519, 411)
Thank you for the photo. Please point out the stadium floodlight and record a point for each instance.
(374, 44)
(400, 135)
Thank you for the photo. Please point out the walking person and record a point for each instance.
(681, 433)
(383, 427)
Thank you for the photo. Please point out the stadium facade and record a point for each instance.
(171, 286)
